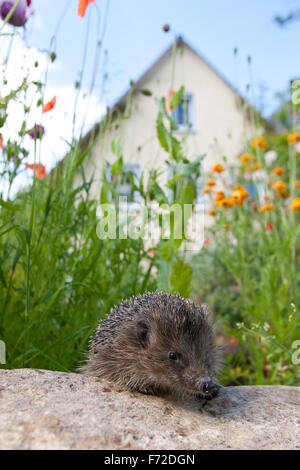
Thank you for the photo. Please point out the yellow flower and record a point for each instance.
(293, 138)
(212, 213)
(240, 195)
(226, 203)
(219, 196)
(282, 193)
(260, 143)
(218, 168)
(279, 186)
(257, 166)
(206, 190)
(295, 206)
(267, 207)
(211, 183)
(245, 158)
(297, 184)
(278, 171)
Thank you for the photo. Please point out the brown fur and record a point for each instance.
(131, 346)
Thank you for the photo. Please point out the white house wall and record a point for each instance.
(220, 128)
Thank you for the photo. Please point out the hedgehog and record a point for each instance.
(157, 344)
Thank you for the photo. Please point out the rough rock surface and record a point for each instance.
(53, 410)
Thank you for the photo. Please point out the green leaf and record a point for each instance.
(146, 92)
(168, 142)
(181, 278)
(8, 205)
(177, 98)
(155, 192)
(162, 281)
(116, 148)
(117, 166)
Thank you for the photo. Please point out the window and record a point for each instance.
(122, 182)
(256, 191)
(183, 115)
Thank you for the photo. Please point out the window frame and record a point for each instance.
(191, 126)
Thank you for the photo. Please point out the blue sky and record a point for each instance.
(133, 39)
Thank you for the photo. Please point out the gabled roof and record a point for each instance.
(120, 104)
(180, 42)
(138, 85)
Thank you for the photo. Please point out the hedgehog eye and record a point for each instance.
(172, 356)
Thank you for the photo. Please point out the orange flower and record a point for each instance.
(259, 143)
(226, 203)
(211, 183)
(245, 158)
(279, 186)
(219, 196)
(39, 170)
(278, 171)
(267, 207)
(82, 6)
(240, 195)
(297, 184)
(206, 242)
(171, 93)
(1, 140)
(206, 190)
(293, 138)
(295, 206)
(282, 193)
(218, 168)
(50, 105)
(212, 213)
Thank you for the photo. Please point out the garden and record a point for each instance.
(58, 278)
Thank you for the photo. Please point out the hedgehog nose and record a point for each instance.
(209, 387)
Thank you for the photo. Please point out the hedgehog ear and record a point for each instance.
(142, 332)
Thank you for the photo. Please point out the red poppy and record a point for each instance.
(206, 242)
(171, 93)
(82, 6)
(39, 170)
(50, 105)
(268, 227)
(1, 140)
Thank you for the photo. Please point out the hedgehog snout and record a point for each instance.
(209, 389)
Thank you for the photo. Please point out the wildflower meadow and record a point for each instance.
(58, 278)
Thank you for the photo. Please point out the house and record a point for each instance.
(211, 118)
